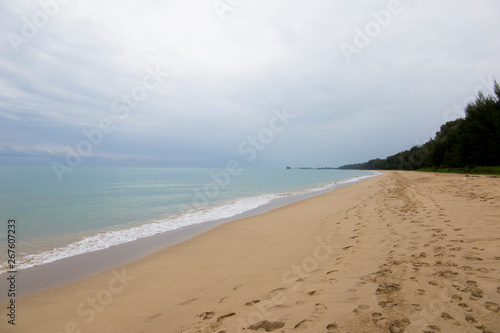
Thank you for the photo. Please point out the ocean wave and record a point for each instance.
(107, 239)
(104, 240)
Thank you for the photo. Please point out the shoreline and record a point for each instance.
(405, 251)
(55, 274)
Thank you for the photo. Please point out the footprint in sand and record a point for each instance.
(475, 292)
(315, 292)
(470, 319)
(382, 322)
(434, 328)
(221, 318)
(207, 315)
(468, 268)
(398, 326)
(267, 326)
(361, 308)
(304, 324)
(387, 288)
(458, 240)
(472, 257)
(274, 292)
(447, 316)
(420, 264)
(331, 327)
(471, 283)
(416, 306)
(387, 304)
(320, 307)
(352, 299)
(447, 274)
(492, 306)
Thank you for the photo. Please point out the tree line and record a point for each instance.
(463, 143)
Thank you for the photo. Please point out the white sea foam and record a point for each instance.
(105, 240)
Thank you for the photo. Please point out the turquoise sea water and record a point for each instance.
(94, 208)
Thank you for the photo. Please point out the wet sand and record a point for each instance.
(402, 252)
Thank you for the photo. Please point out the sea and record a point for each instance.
(96, 208)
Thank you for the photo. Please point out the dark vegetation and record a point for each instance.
(470, 144)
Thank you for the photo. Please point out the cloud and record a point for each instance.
(226, 77)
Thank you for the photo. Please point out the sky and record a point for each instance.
(265, 83)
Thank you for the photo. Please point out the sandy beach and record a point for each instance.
(401, 252)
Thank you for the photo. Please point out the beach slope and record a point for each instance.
(401, 252)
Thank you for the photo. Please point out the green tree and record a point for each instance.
(469, 141)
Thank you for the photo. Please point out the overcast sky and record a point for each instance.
(198, 83)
